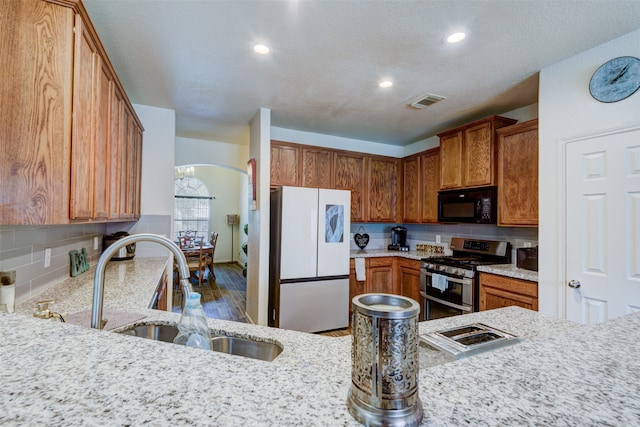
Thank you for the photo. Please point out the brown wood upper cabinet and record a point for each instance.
(349, 172)
(285, 164)
(420, 183)
(468, 153)
(57, 138)
(382, 179)
(518, 174)
(316, 167)
(372, 180)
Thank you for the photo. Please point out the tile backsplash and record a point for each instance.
(380, 234)
(22, 249)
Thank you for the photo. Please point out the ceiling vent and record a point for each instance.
(426, 100)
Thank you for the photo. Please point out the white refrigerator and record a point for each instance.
(309, 259)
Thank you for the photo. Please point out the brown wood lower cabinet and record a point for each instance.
(500, 291)
(388, 275)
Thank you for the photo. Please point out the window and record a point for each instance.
(192, 207)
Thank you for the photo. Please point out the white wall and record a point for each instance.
(258, 274)
(226, 186)
(191, 151)
(567, 110)
(335, 142)
(328, 141)
(156, 203)
(157, 159)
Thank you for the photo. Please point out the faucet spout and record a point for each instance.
(98, 281)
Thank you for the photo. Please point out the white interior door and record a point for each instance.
(603, 226)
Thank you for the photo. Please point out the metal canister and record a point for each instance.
(384, 361)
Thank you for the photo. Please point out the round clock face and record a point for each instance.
(616, 79)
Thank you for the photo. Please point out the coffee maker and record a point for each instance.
(398, 239)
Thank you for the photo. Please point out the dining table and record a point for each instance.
(207, 251)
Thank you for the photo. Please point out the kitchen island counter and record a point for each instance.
(560, 374)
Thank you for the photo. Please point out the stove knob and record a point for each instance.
(442, 267)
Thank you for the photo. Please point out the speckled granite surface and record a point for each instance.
(510, 270)
(412, 254)
(560, 374)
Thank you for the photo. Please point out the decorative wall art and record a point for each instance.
(251, 172)
(334, 224)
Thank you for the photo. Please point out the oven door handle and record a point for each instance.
(447, 303)
(465, 281)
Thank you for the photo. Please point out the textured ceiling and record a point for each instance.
(327, 58)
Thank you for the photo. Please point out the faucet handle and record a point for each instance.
(42, 309)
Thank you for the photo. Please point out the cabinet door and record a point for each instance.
(518, 174)
(409, 278)
(349, 174)
(430, 169)
(380, 276)
(451, 161)
(355, 287)
(128, 158)
(102, 158)
(477, 156)
(137, 181)
(82, 154)
(382, 180)
(499, 291)
(285, 160)
(116, 153)
(36, 57)
(316, 168)
(412, 189)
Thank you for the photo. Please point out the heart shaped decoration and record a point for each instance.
(362, 240)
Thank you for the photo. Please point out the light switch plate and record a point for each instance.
(95, 243)
(438, 238)
(47, 257)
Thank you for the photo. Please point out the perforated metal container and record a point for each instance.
(384, 361)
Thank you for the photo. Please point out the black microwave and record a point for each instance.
(474, 205)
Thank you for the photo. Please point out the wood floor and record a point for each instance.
(223, 298)
(226, 297)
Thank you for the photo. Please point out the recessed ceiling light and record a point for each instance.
(385, 83)
(261, 49)
(456, 37)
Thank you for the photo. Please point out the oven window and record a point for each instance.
(453, 293)
(458, 210)
(435, 310)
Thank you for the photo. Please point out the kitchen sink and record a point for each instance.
(238, 346)
(245, 347)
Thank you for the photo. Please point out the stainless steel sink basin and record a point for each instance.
(225, 344)
(157, 332)
(246, 347)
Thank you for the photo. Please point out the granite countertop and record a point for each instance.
(561, 373)
(510, 270)
(373, 253)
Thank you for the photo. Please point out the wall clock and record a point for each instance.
(616, 79)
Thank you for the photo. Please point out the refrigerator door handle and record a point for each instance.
(313, 230)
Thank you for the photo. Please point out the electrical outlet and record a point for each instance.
(438, 238)
(527, 244)
(47, 257)
(95, 243)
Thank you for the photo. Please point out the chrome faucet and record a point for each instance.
(98, 281)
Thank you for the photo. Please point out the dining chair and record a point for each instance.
(197, 262)
(212, 241)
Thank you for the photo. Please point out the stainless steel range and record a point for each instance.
(450, 285)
